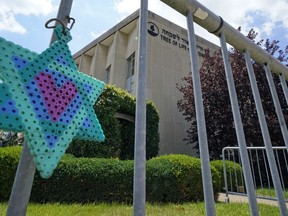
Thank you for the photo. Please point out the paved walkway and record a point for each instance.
(244, 199)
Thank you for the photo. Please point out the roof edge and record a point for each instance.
(109, 32)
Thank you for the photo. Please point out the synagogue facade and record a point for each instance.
(112, 58)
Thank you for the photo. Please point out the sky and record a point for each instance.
(23, 21)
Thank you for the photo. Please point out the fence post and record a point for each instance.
(277, 105)
(265, 135)
(239, 128)
(201, 125)
(139, 191)
(22, 185)
(24, 177)
(225, 175)
(284, 87)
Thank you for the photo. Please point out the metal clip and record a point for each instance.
(70, 19)
(62, 24)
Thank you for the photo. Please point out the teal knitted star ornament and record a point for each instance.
(48, 99)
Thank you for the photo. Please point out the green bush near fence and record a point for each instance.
(170, 178)
(232, 169)
(9, 158)
(176, 178)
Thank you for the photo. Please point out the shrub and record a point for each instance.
(231, 167)
(86, 180)
(170, 178)
(176, 178)
(9, 157)
(119, 133)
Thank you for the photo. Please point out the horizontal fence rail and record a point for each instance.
(216, 25)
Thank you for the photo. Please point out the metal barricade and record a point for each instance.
(263, 184)
(196, 12)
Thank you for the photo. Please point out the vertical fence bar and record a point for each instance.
(285, 160)
(63, 12)
(241, 173)
(265, 135)
(286, 171)
(252, 166)
(266, 170)
(277, 104)
(279, 169)
(22, 185)
(284, 86)
(235, 172)
(230, 173)
(139, 185)
(239, 129)
(225, 176)
(259, 170)
(201, 125)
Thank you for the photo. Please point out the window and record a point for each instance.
(130, 73)
(107, 74)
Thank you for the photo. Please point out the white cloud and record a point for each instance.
(268, 28)
(9, 23)
(244, 13)
(11, 8)
(126, 6)
(95, 34)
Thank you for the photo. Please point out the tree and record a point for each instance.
(218, 114)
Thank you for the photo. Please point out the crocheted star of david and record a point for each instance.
(47, 98)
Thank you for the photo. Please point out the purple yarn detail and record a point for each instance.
(58, 78)
(56, 99)
(37, 100)
(71, 110)
(19, 62)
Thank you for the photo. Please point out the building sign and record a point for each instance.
(168, 37)
(153, 29)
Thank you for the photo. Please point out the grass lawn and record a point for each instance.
(270, 192)
(191, 209)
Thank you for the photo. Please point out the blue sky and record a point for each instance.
(22, 21)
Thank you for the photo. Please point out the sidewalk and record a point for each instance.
(243, 199)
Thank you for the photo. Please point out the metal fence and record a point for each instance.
(261, 174)
(196, 12)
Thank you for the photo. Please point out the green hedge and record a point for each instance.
(170, 178)
(9, 158)
(233, 168)
(119, 133)
(176, 178)
(86, 180)
(74, 180)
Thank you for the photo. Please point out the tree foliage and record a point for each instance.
(218, 114)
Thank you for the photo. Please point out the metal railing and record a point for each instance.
(196, 12)
(263, 185)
